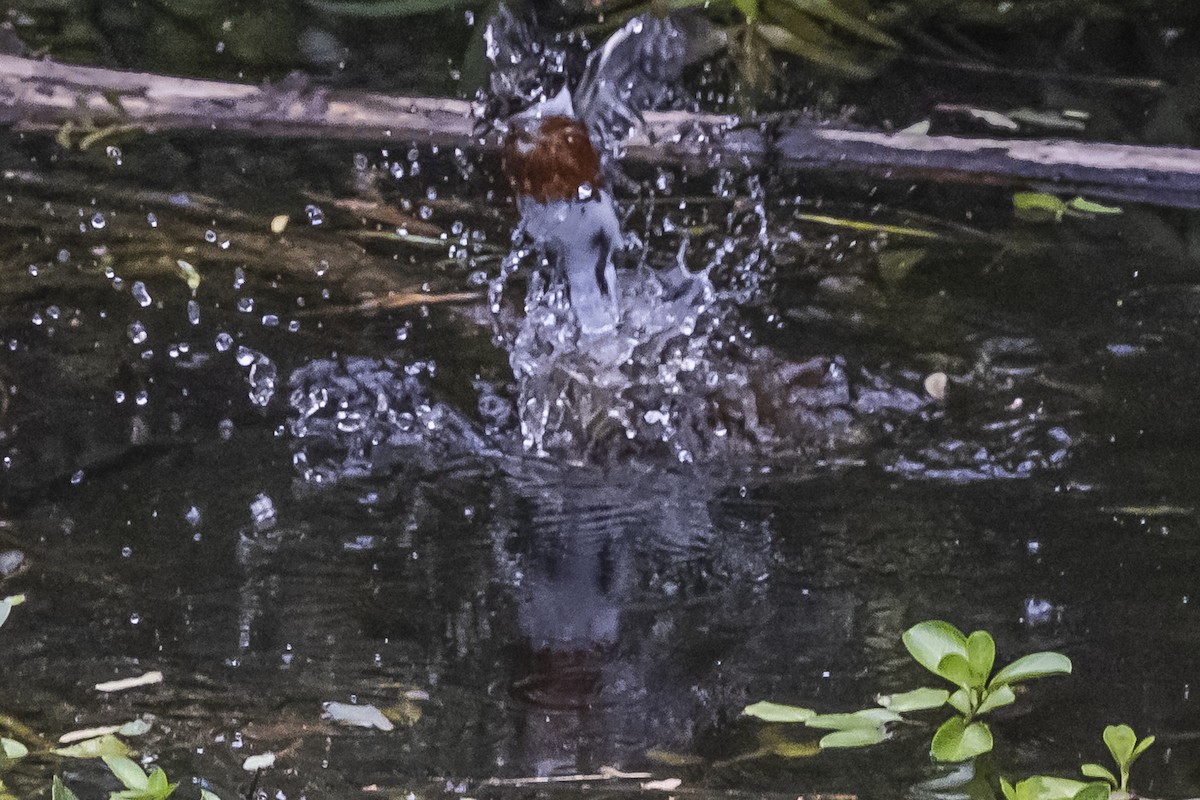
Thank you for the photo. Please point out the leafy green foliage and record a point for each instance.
(917, 700)
(1040, 207)
(100, 747)
(967, 662)
(777, 712)
(138, 784)
(1045, 787)
(1125, 748)
(59, 791)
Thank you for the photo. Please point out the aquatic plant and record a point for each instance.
(1046, 787)
(966, 662)
(10, 749)
(139, 785)
(1125, 748)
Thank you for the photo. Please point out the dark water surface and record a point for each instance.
(548, 615)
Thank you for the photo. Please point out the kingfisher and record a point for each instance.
(560, 145)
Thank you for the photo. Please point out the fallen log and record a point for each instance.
(41, 95)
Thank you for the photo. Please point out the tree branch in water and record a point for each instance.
(39, 95)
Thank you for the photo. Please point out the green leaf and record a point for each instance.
(137, 727)
(981, 654)
(1034, 665)
(1141, 748)
(1038, 206)
(853, 737)
(1093, 791)
(873, 227)
(960, 701)
(12, 749)
(956, 669)
(1047, 787)
(956, 740)
(921, 699)
(189, 275)
(205, 794)
(1120, 740)
(929, 642)
(127, 772)
(777, 712)
(775, 744)
(1088, 207)
(99, 747)
(895, 263)
(59, 791)
(1097, 771)
(867, 718)
(996, 698)
(1008, 790)
(748, 9)
(838, 60)
(835, 15)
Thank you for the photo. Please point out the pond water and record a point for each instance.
(308, 479)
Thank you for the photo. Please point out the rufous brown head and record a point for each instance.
(551, 158)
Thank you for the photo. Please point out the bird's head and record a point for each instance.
(549, 155)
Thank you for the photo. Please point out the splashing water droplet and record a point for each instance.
(137, 332)
(141, 295)
(98, 221)
(193, 312)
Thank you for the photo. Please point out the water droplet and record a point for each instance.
(315, 215)
(245, 304)
(193, 312)
(98, 221)
(152, 219)
(224, 342)
(136, 332)
(262, 509)
(114, 153)
(210, 236)
(140, 294)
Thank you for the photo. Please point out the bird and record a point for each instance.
(560, 146)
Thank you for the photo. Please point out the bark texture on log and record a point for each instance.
(38, 95)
